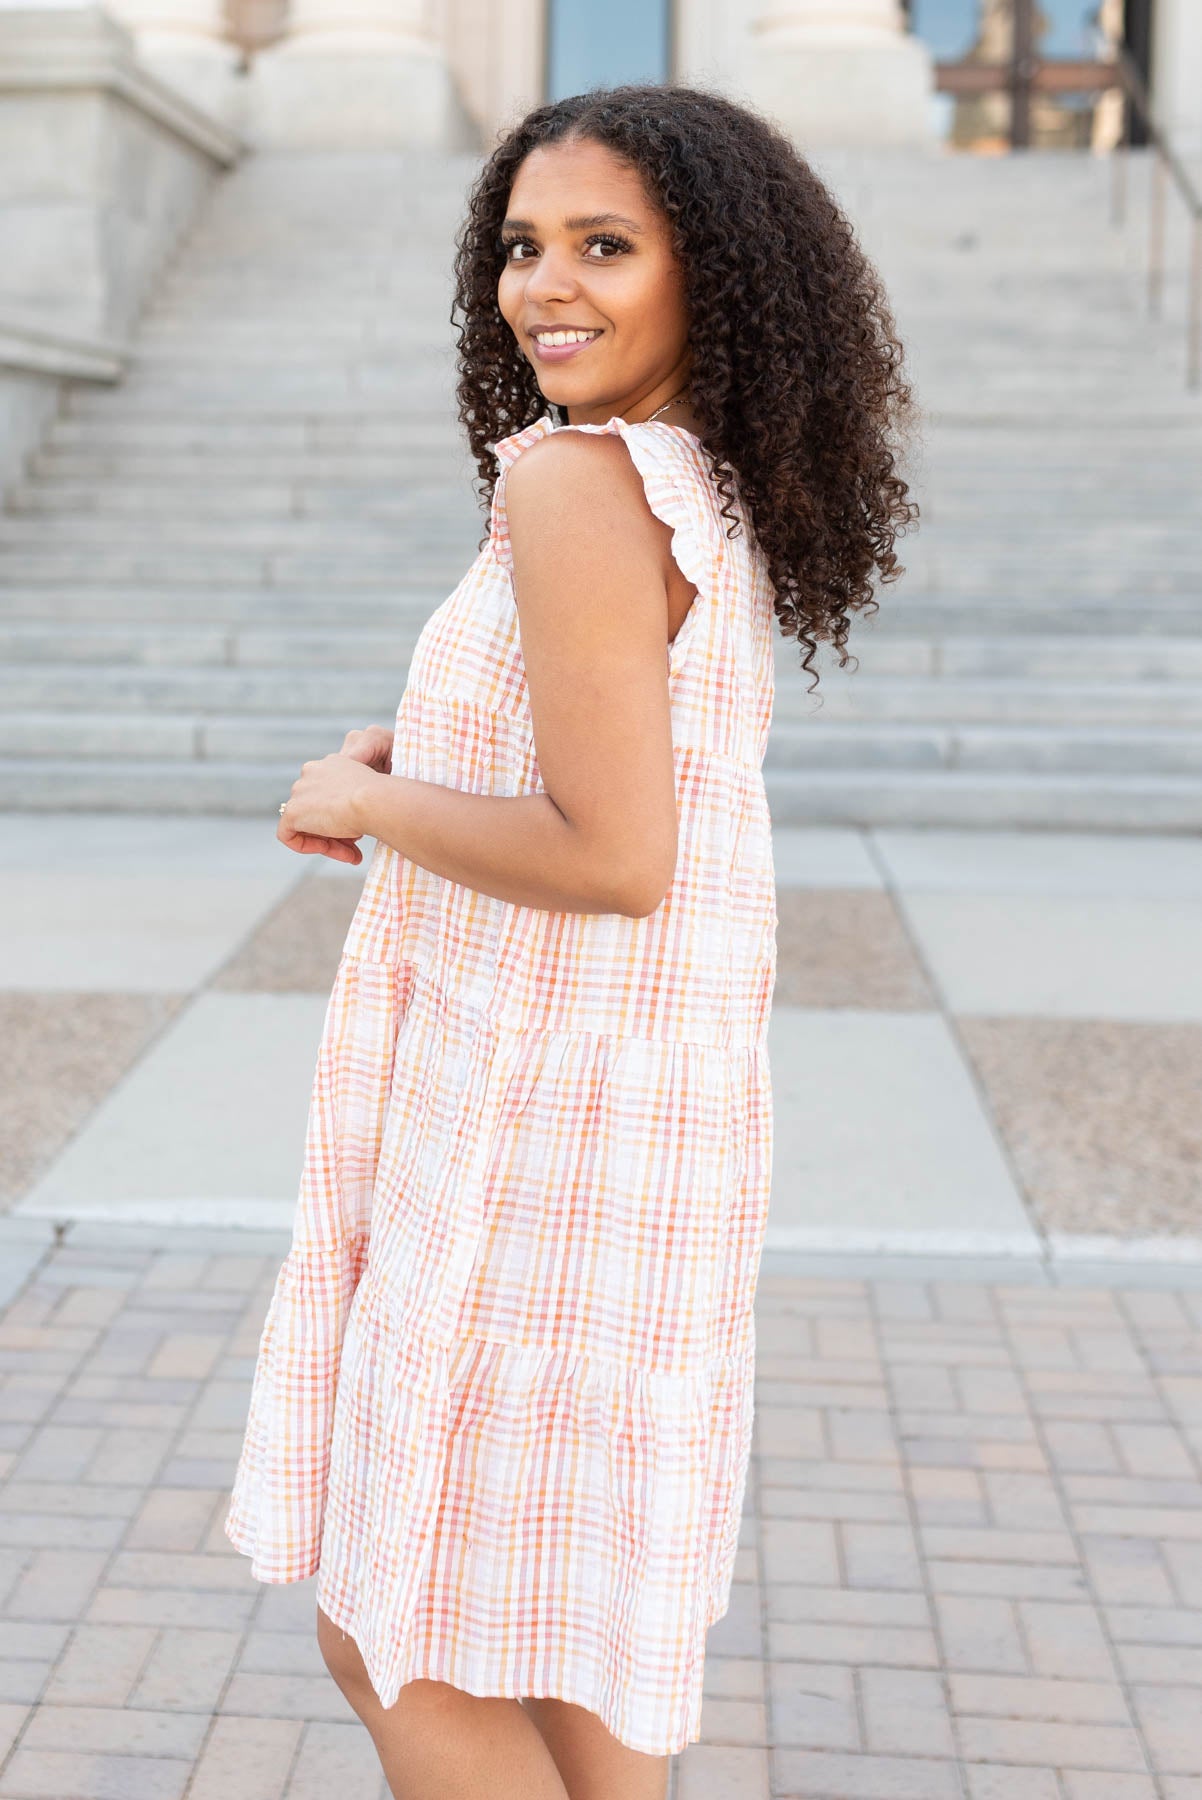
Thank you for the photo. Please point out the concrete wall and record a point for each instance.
(102, 169)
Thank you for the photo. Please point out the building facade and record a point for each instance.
(453, 73)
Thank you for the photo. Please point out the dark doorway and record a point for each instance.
(1137, 35)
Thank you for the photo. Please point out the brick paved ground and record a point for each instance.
(971, 1562)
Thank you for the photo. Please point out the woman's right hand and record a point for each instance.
(372, 745)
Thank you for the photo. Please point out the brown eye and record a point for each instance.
(614, 243)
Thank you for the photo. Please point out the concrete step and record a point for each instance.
(908, 611)
(445, 535)
(44, 687)
(1151, 634)
(178, 495)
(849, 797)
(413, 562)
(145, 784)
(954, 517)
(246, 632)
(948, 514)
(216, 567)
(379, 388)
(1019, 749)
(1008, 455)
(184, 738)
(122, 605)
(240, 738)
(980, 800)
(1051, 529)
(214, 645)
(1043, 579)
(1055, 657)
(294, 350)
(297, 631)
(110, 508)
(345, 429)
(1003, 389)
(197, 470)
(972, 699)
(346, 331)
(440, 551)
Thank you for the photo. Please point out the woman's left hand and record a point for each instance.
(322, 815)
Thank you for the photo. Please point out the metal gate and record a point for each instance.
(1021, 73)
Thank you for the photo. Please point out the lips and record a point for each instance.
(556, 353)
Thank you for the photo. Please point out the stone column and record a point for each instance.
(185, 42)
(357, 74)
(1107, 125)
(841, 72)
(1177, 72)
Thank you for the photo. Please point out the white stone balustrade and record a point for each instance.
(1177, 72)
(186, 42)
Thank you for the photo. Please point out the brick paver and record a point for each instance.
(970, 1566)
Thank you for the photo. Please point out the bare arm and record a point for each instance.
(590, 576)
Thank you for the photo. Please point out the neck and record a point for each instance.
(675, 410)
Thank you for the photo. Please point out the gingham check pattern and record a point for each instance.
(503, 1397)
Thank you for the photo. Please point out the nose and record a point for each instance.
(551, 277)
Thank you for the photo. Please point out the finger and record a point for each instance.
(377, 756)
(344, 850)
(305, 843)
(311, 843)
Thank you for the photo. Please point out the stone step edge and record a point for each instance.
(787, 776)
(1054, 1259)
(852, 732)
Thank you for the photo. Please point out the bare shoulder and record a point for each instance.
(586, 477)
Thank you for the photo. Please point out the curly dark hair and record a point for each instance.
(796, 372)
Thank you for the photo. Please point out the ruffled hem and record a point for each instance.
(277, 1502)
(507, 1518)
(660, 453)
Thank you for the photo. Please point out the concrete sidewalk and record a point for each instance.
(970, 1566)
(971, 1558)
(984, 1045)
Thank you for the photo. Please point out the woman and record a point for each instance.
(503, 1398)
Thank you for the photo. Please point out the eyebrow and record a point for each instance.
(578, 222)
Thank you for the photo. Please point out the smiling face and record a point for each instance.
(586, 248)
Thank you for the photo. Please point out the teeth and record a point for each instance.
(564, 337)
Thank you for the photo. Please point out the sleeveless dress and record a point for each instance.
(503, 1397)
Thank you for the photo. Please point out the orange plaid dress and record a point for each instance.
(502, 1403)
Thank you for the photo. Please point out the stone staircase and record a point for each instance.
(215, 569)
(1041, 661)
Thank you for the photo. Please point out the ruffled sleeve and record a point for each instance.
(676, 481)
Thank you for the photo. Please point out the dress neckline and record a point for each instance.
(598, 426)
(506, 449)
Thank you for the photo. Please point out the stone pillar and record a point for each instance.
(840, 72)
(1107, 125)
(356, 75)
(1177, 72)
(185, 43)
(497, 52)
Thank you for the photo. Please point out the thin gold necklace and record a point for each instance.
(667, 403)
(659, 409)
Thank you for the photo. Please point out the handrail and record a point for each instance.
(1165, 162)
